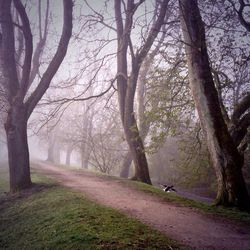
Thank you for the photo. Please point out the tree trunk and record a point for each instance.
(128, 157)
(136, 148)
(57, 153)
(126, 165)
(143, 125)
(18, 152)
(82, 166)
(226, 160)
(15, 89)
(54, 155)
(86, 159)
(51, 149)
(85, 154)
(68, 155)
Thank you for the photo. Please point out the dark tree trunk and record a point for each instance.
(136, 148)
(126, 165)
(18, 152)
(15, 89)
(226, 160)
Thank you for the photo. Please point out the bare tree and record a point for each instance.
(143, 125)
(21, 106)
(126, 82)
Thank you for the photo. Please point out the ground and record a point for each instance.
(187, 225)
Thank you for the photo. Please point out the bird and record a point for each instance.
(167, 188)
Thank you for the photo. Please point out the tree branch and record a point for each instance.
(218, 85)
(78, 98)
(24, 82)
(239, 132)
(57, 59)
(100, 17)
(20, 40)
(140, 55)
(241, 108)
(240, 13)
(7, 51)
(40, 45)
(118, 18)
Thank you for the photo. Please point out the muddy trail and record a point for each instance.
(186, 225)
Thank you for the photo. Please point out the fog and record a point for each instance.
(78, 120)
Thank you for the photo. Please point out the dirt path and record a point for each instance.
(183, 224)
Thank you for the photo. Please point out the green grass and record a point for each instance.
(52, 217)
(211, 210)
(229, 213)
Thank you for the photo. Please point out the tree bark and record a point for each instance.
(226, 160)
(18, 151)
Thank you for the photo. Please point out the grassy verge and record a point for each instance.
(52, 217)
(229, 213)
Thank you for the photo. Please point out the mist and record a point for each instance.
(124, 124)
(84, 121)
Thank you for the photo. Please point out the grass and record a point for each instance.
(52, 217)
(228, 213)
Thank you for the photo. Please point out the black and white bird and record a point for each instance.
(167, 188)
